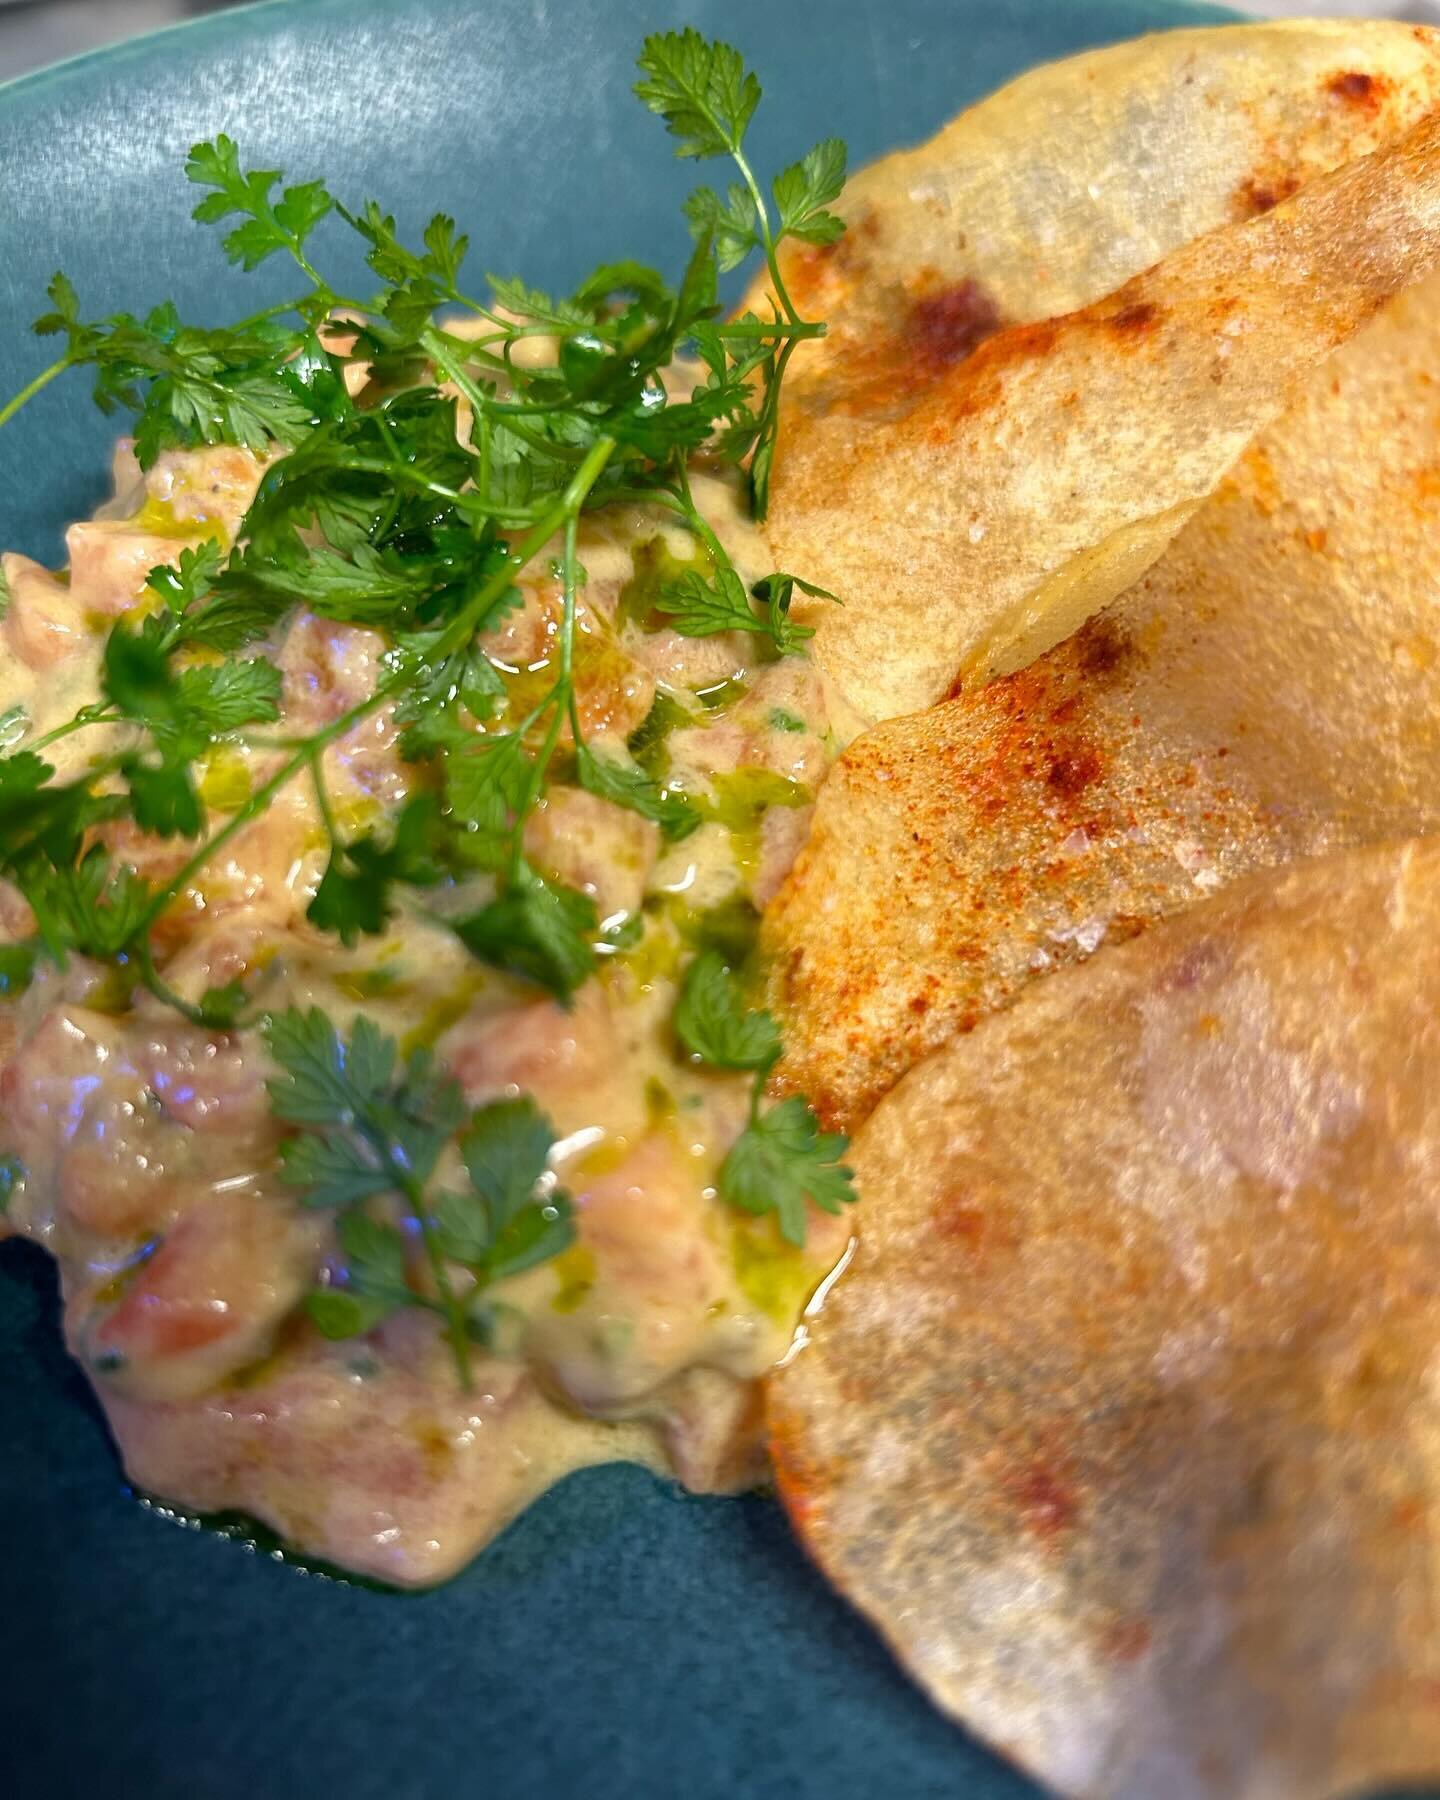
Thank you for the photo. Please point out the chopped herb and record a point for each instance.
(374, 1130)
(632, 788)
(731, 927)
(17, 969)
(385, 511)
(539, 929)
(782, 1158)
(646, 743)
(780, 1161)
(714, 1024)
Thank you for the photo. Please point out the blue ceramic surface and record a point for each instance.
(622, 1640)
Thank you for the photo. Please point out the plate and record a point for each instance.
(621, 1639)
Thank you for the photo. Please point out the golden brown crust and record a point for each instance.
(1271, 689)
(1009, 421)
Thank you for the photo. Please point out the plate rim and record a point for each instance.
(140, 42)
(30, 81)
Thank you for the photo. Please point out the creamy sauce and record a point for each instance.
(150, 1151)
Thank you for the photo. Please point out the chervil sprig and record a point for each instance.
(267, 225)
(707, 98)
(370, 1136)
(782, 1160)
(416, 468)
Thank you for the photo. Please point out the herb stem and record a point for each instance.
(486, 408)
(535, 781)
(322, 798)
(460, 630)
(260, 800)
(772, 328)
(767, 237)
(696, 522)
(562, 695)
(265, 312)
(88, 715)
(160, 988)
(31, 389)
(454, 1310)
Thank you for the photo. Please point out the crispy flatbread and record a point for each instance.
(1271, 689)
(973, 505)
(1123, 1426)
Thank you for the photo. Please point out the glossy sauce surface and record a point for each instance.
(151, 1154)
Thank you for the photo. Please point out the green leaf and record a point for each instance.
(334, 1170)
(418, 284)
(699, 295)
(354, 892)
(775, 593)
(337, 1313)
(375, 1260)
(647, 742)
(186, 582)
(302, 208)
(42, 817)
(633, 789)
(536, 1231)
(732, 224)
(233, 619)
(713, 1022)
(364, 587)
(532, 305)
(535, 1234)
(700, 88)
(90, 907)
(506, 1147)
(430, 712)
(135, 677)
(700, 608)
(269, 226)
(163, 798)
(731, 927)
(323, 1079)
(485, 782)
(463, 1228)
(66, 303)
(253, 408)
(781, 1161)
(538, 929)
(214, 698)
(501, 1227)
(638, 280)
(221, 1007)
(805, 189)
(22, 778)
(17, 969)
(426, 1112)
(444, 251)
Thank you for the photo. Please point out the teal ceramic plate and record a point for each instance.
(622, 1639)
